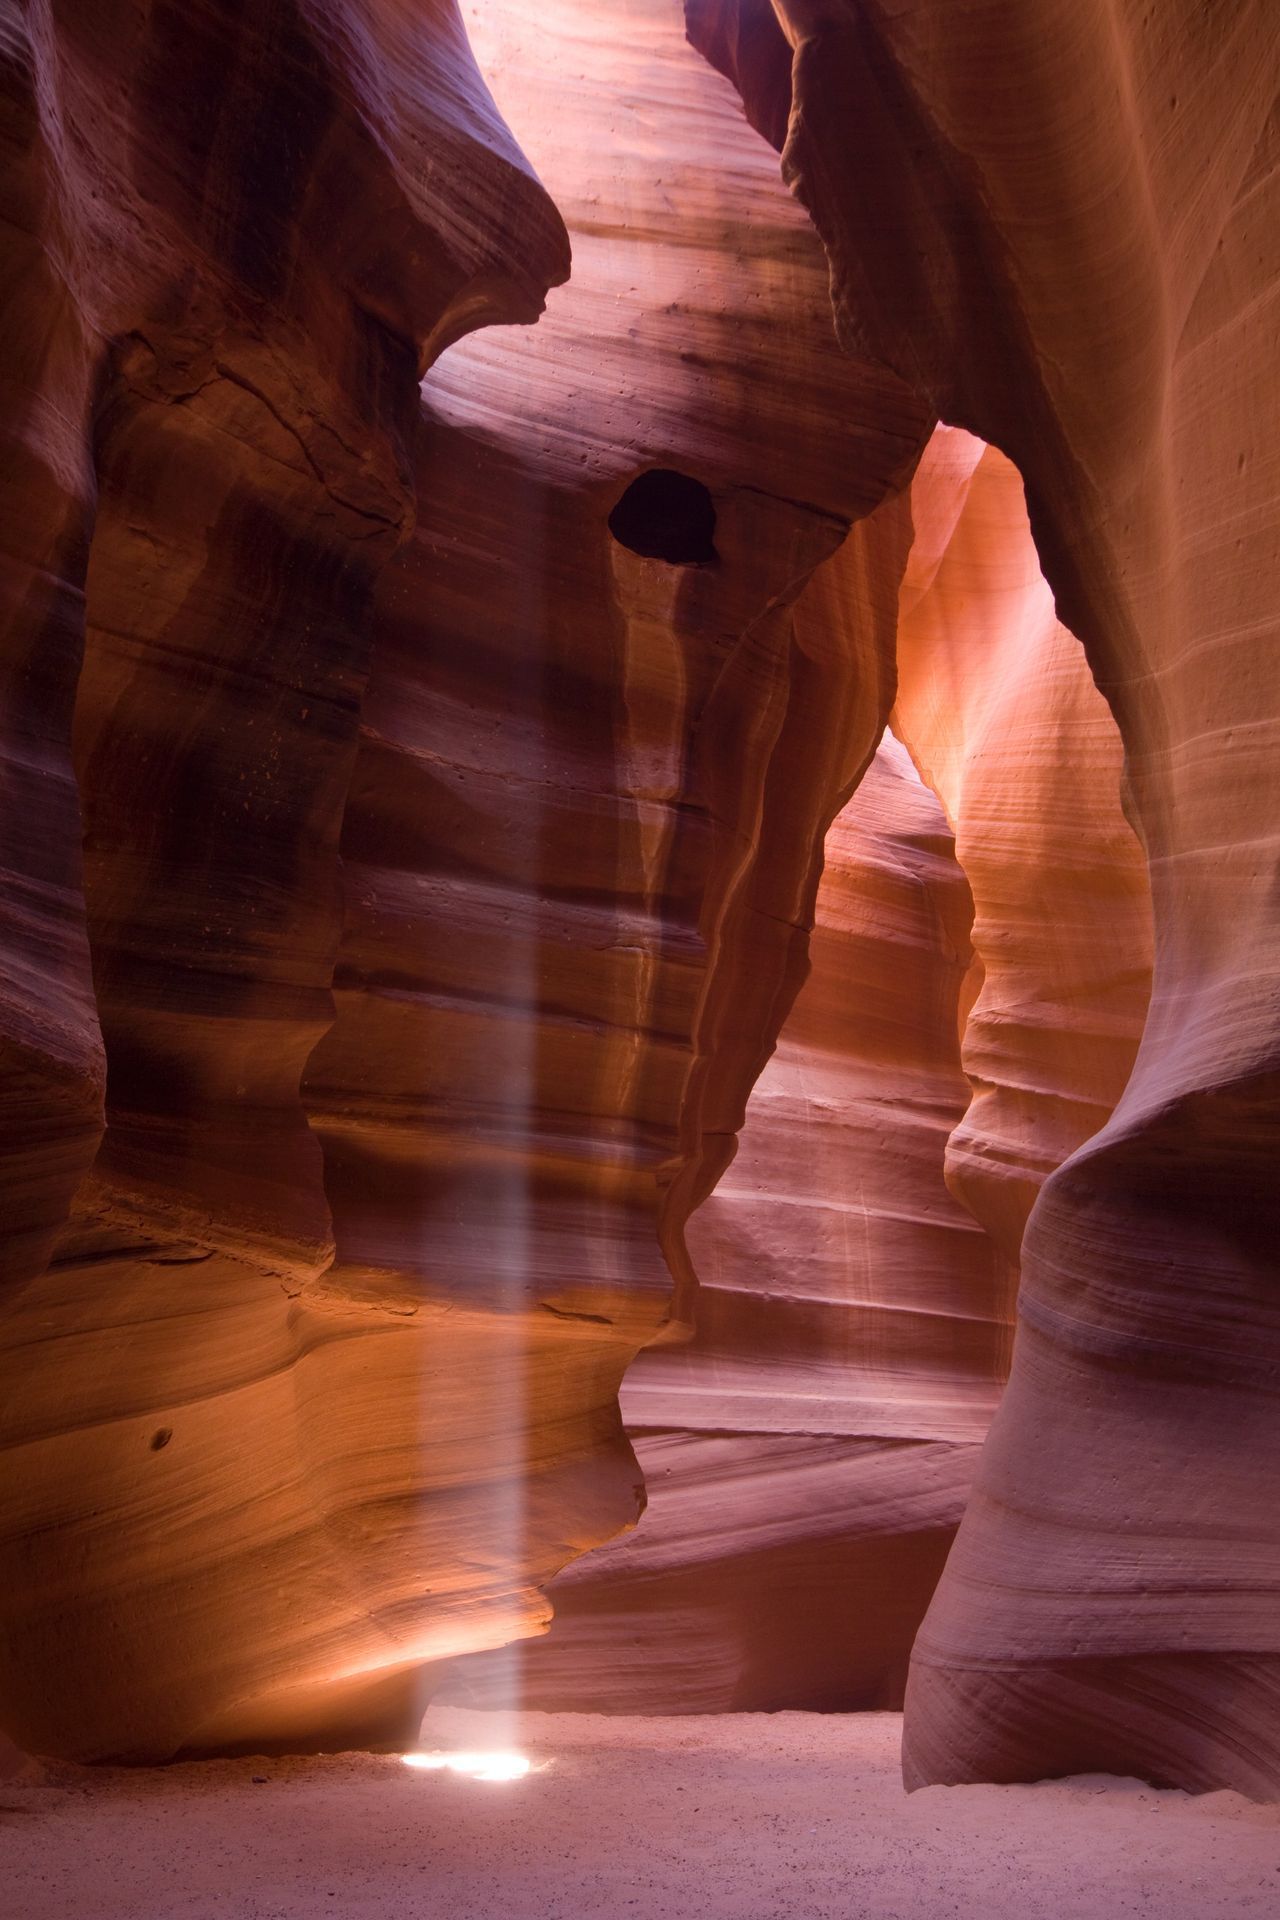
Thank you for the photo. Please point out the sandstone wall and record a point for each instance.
(230, 258)
(424, 1030)
(996, 704)
(413, 825)
(584, 831)
(1070, 251)
(808, 1454)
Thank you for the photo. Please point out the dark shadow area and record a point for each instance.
(665, 515)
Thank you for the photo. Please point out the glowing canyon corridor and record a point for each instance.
(639, 962)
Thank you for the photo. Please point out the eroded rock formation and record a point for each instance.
(808, 1455)
(1070, 251)
(999, 709)
(415, 810)
(320, 1384)
(584, 829)
(784, 1559)
(229, 263)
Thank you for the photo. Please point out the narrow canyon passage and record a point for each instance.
(638, 880)
(808, 1457)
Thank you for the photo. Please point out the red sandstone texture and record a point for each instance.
(1071, 250)
(999, 710)
(809, 1454)
(229, 262)
(808, 1457)
(584, 827)
(444, 886)
(414, 837)
(792, 1538)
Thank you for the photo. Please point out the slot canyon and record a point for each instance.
(639, 983)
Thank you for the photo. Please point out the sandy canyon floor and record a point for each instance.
(758, 1817)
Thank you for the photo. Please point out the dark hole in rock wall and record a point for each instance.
(665, 515)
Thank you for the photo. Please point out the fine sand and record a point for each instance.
(743, 1817)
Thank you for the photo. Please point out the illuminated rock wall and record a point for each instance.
(228, 262)
(997, 705)
(1070, 251)
(808, 1455)
(446, 860)
(584, 829)
(414, 816)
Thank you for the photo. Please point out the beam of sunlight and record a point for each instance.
(496, 1765)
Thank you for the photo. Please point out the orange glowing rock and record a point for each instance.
(416, 798)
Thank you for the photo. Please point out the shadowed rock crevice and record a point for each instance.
(665, 515)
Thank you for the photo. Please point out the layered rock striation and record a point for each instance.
(230, 261)
(450, 829)
(599, 750)
(415, 810)
(1069, 251)
(809, 1456)
(809, 1453)
(1000, 712)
